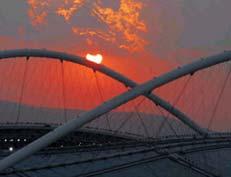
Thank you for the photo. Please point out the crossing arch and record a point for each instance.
(43, 53)
(113, 103)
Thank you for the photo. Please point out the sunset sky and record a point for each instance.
(138, 38)
(176, 29)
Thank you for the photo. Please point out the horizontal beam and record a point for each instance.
(193, 166)
(194, 147)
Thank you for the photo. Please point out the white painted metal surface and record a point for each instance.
(86, 117)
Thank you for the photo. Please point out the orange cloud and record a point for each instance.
(107, 36)
(69, 8)
(125, 21)
(37, 11)
(123, 26)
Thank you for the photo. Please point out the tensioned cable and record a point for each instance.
(89, 89)
(175, 102)
(101, 97)
(34, 79)
(111, 104)
(63, 92)
(142, 122)
(40, 107)
(22, 89)
(75, 72)
(170, 125)
(219, 98)
(10, 72)
(125, 121)
(2, 85)
(190, 96)
(119, 116)
(180, 94)
(163, 116)
(165, 105)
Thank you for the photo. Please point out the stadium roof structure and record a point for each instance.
(38, 149)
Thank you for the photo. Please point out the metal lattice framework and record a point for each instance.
(143, 89)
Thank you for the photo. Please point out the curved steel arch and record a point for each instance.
(107, 71)
(107, 106)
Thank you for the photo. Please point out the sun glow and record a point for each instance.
(95, 58)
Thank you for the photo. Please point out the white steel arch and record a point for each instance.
(107, 106)
(9, 54)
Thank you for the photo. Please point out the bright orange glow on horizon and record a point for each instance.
(98, 58)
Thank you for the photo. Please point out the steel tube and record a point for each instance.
(107, 106)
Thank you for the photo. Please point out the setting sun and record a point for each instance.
(95, 58)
